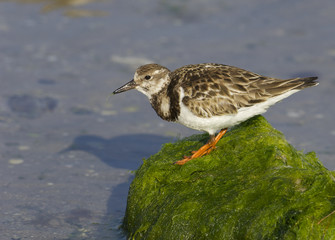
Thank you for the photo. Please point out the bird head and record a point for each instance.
(149, 79)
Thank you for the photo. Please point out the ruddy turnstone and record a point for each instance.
(209, 97)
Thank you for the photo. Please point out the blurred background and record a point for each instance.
(67, 148)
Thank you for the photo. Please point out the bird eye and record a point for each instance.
(147, 77)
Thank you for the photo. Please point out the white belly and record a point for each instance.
(215, 123)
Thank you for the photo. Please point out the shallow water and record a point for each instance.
(67, 149)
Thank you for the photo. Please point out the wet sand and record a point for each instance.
(67, 148)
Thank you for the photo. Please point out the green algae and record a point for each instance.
(255, 185)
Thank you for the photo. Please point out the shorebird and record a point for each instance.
(210, 97)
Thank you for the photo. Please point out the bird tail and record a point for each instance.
(305, 82)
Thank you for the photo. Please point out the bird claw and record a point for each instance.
(182, 162)
(206, 149)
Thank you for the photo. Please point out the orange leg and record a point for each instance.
(206, 149)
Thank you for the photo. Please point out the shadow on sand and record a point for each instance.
(120, 152)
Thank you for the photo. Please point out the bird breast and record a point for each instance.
(161, 104)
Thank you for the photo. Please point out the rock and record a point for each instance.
(255, 185)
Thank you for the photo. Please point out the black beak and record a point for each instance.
(126, 87)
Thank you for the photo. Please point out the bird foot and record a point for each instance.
(204, 150)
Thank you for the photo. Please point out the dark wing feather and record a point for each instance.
(216, 89)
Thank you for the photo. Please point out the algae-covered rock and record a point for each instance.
(255, 185)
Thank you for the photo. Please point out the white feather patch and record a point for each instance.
(215, 123)
(165, 105)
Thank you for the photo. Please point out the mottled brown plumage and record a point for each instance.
(209, 96)
(216, 89)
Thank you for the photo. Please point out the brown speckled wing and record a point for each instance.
(215, 89)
